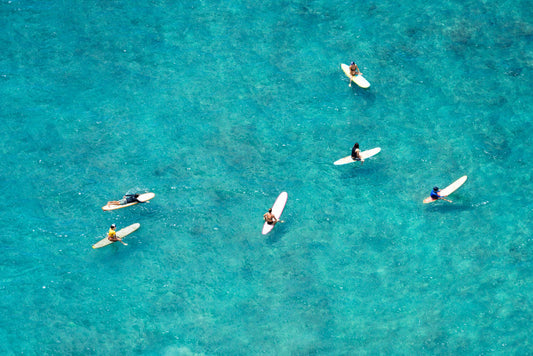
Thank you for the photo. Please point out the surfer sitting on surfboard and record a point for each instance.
(112, 234)
(270, 218)
(354, 70)
(356, 152)
(435, 193)
(126, 199)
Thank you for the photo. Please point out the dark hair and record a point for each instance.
(270, 210)
(435, 188)
(356, 145)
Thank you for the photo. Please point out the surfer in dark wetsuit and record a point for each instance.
(356, 153)
(270, 218)
(354, 70)
(126, 199)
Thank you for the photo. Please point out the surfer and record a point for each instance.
(435, 193)
(270, 218)
(126, 199)
(112, 235)
(356, 153)
(354, 70)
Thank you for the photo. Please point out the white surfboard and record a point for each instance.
(277, 209)
(448, 190)
(142, 198)
(357, 79)
(364, 155)
(120, 233)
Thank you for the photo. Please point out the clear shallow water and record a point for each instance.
(219, 107)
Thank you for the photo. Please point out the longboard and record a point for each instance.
(142, 198)
(277, 209)
(120, 233)
(357, 79)
(449, 189)
(364, 155)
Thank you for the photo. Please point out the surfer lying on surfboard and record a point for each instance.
(270, 218)
(356, 153)
(126, 199)
(112, 235)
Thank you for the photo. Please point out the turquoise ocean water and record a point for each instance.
(217, 107)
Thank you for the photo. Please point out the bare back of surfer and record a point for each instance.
(270, 218)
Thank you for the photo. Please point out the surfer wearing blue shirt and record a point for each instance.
(356, 153)
(435, 193)
(354, 70)
(126, 199)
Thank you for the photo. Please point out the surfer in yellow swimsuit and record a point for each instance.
(354, 70)
(270, 218)
(112, 235)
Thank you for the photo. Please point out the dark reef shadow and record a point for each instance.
(357, 171)
(276, 234)
(366, 94)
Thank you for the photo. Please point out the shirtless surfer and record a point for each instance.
(270, 218)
